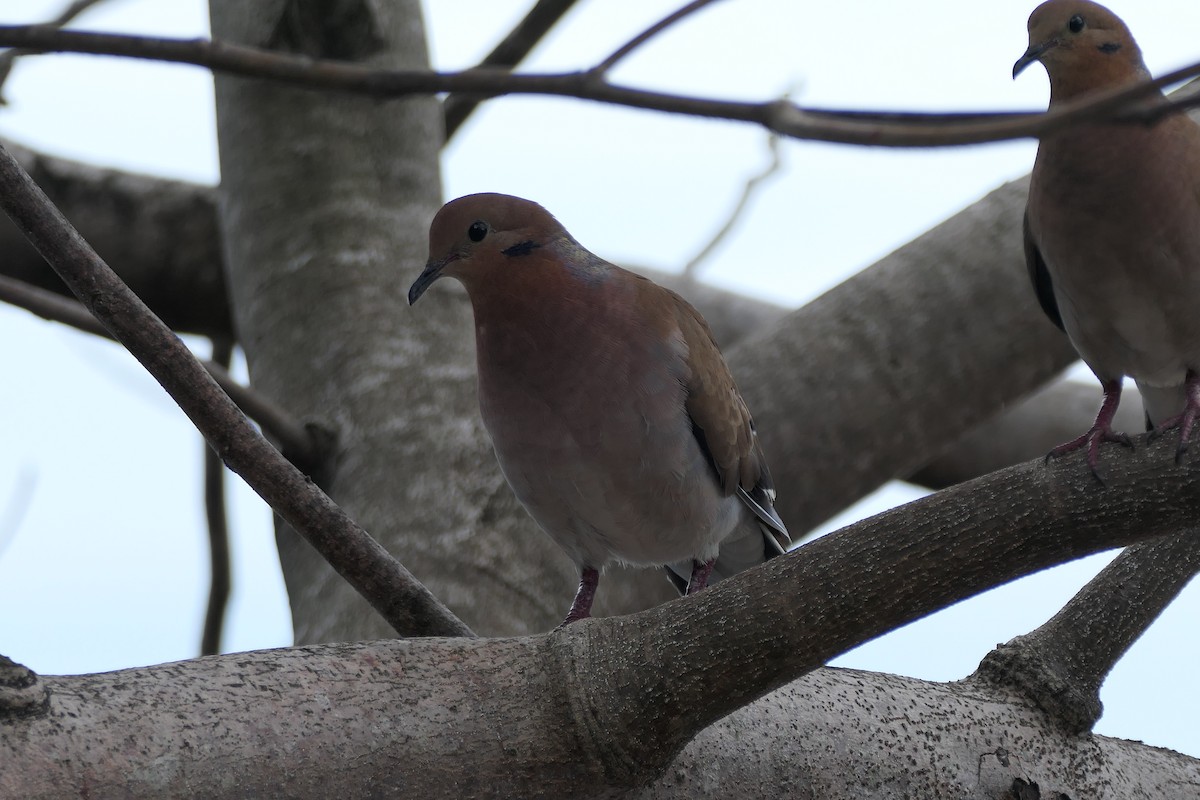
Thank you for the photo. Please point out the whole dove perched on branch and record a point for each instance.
(613, 415)
(1112, 229)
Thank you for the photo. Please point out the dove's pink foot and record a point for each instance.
(1186, 420)
(581, 606)
(700, 572)
(1100, 432)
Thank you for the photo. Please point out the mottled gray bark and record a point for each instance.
(612, 705)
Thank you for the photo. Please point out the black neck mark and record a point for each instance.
(521, 248)
(1109, 47)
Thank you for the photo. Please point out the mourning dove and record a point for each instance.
(1112, 228)
(612, 413)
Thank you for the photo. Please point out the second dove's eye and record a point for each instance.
(477, 231)
(1076, 24)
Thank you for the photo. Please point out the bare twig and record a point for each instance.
(380, 579)
(881, 129)
(511, 51)
(10, 56)
(20, 499)
(218, 531)
(1062, 664)
(297, 439)
(748, 190)
(621, 52)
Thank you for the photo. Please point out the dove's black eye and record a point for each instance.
(477, 231)
(1076, 23)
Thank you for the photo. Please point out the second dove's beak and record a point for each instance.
(1034, 53)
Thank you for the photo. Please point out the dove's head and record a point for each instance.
(475, 236)
(1084, 48)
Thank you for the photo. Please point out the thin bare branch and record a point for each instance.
(19, 501)
(384, 582)
(10, 56)
(50, 306)
(511, 51)
(219, 582)
(299, 441)
(879, 129)
(624, 50)
(752, 185)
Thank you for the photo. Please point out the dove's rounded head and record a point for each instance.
(1083, 46)
(477, 232)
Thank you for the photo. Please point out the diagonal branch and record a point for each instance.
(511, 51)
(382, 580)
(880, 129)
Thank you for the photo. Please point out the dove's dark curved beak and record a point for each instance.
(1034, 53)
(432, 271)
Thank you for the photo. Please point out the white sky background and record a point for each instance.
(103, 552)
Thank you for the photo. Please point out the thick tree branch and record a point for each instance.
(881, 129)
(907, 563)
(161, 234)
(1061, 665)
(305, 445)
(511, 51)
(839, 733)
(605, 703)
(879, 375)
(390, 588)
